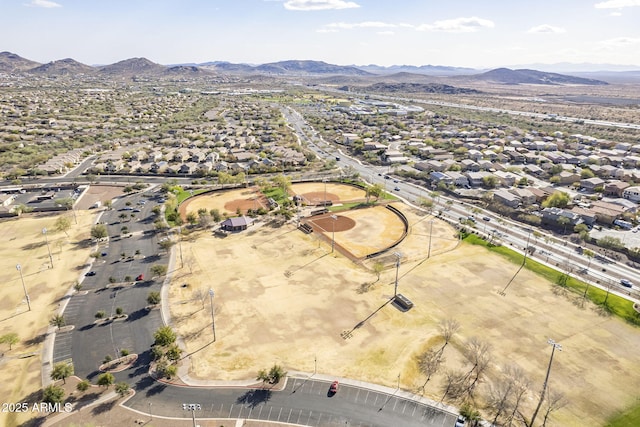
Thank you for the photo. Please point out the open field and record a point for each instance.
(24, 244)
(298, 302)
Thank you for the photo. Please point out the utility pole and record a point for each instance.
(213, 322)
(46, 240)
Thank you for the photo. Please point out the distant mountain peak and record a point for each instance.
(526, 76)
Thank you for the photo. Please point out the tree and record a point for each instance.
(378, 268)
(215, 215)
(192, 218)
(62, 224)
(579, 228)
(11, 338)
(448, 327)
(490, 181)
(159, 270)
(164, 336)
(153, 298)
(99, 231)
(108, 204)
(58, 321)
(559, 199)
(105, 380)
(62, 371)
(553, 401)
(122, 389)
(274, 375)
(83, 385)
(173, 352)
(66, 202)
(429, 363)
(53, 394)
(563, 221)
(376, 190)
(165, 245)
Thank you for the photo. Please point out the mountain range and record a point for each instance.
(13, 63)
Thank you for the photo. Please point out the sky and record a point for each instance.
(464, 33)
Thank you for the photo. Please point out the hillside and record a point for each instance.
(525, 76)
(12, 63)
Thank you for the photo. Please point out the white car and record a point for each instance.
(460, 421)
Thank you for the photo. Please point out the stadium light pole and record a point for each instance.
(46, 240)
(26, 295)
(333, 232)
(395, 288)
(213, 322)
(554, 346)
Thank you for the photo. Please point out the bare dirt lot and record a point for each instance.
(298, 302)
(98, 193)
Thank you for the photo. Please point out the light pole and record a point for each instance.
(333, 232)
(555, 346)
(26, 295)
(315, 364)
(150, 415)
(193, 407)
(213, 322)
(44, 232)
(395, 288)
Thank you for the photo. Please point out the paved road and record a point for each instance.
(303, 401)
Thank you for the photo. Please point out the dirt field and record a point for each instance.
(226, 201)
(298, 302)
(98, 193)
(23, 243)
(314, 192)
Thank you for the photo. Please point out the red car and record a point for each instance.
(140, 277)
(334, 387)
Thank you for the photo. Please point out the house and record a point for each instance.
(554, 215)
(507, 179)
(526, 196)
(632, 193)
(615, 188)
(568, 177)
(588, 216)
(476, 179)
(470, 165)
(533, 170)
(607, 212)
(506, 198)
(236, 224)
(349, 138)
(437, 177)
(590, 184)
(458, 179)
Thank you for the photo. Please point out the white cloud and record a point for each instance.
(386, 33)
(366, 24)
(620, 42)
(43, 3)
(319, 4)
(458, 25)
(616, 4)
(546, 29)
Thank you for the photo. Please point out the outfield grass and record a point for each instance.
(616, 305)
(631, 418)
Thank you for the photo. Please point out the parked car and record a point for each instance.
(397, 189)
(91, 273)
(486, 218)
(140, 277)
(333, 388)
(626, 283)
(460, 421)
